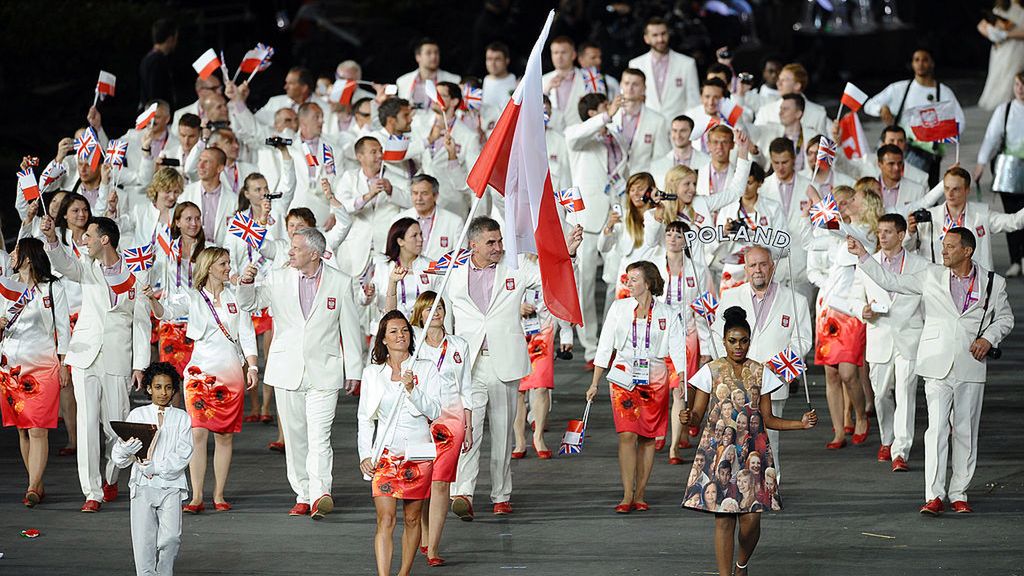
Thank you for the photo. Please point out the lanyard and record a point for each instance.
(970, 290)
(177, 274)
(216, 317)
(742, 213)
(647, 336)
(949, 224)
(679, 280)
(444, 350)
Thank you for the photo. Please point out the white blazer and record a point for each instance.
(34, 339)
(379, 427)
(325, 348)
(226, 207)
(668, 334)
(308, 193)
(202, 327)
(868, 166)
(899, 328)
(266, 114)
(588, 162)
(444, 231)
(979, 219)
(771, 131)
(370, 221)
(567, 114)
(102, 327)
(454, 194)
(650, 140)
(682, 85)
(947, 335)
(788, 324)
(454, 369)
(171, 455)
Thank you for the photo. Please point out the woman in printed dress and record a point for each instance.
(33, 339)
(453, 430)
(641, 332)
(215, 382)
(733, 495)
(398, 399)
(189, 240)
(401, 275)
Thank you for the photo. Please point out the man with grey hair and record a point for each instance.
(313, 310)
(440, 227)
(778, 319)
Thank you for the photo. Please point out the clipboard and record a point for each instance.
(129, 430)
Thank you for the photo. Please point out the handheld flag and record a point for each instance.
(206, 64)
(147, 116)
(444, 263)
(395, 148)
(575, 434)
(15, 310)
(571, 199)
(825, 214)
(593, 81)
(787, 365)
(117, 151)
(11, 289)
(311, 156)
(328, 158)
(163, 238)
(139, 259)
(54, 171)
(933, 122)
(431, 91)
(342, 92)
(250, 231)
(106, 84)
(268, 53)
(253, 59)
(851, 137)
(702, 125)
(28, 185)
(826, 153)
(730, 111)
(705, 305)
(87, 148)
(472, 98)
(122, 282)
(853, 97)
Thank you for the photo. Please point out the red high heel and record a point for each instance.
(836, 445)
(623, 508)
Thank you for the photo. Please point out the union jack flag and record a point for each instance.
(139, 259)
(176, 249)
(87, 147)
(826, 153)
(594, 82)
(442, 264)
(54, 171)
(787, 365)
(706, 305)
(15, 310)
(472, 98)
(265, 63)
(250, 231)
(825, 212)
(328, 158)
(117, 151)
(948, 223)
(570, 449)
(571, 199)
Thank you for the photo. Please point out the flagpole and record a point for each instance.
(958, 149)
(697, 279)
(96, 97)
(839, 113)
(796, 322)
(255, 70)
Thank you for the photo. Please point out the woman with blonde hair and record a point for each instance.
(215, 383)
(622, 242)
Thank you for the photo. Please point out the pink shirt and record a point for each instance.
(890, 196)
(964, 290)
(308, 286)
(717, 179)
(426, 225)
(659, 65)
(786, 193)
(762, 304)
(481, 283)
(93, 196)
(419, 92)
(683, 160)
(211, 201)
(629, 124)
(564, 89)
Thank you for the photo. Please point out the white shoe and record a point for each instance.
(1012, 271)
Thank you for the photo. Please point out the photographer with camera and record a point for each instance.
(966, 316)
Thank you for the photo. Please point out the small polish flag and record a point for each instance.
(852, 140)
(28, 185)
(853, 97)
(163, 239)
(934, 122)
(206, 64)
(431, 90)
(702, 124)
(106, 84)
(253, 58)
(342, 91)
(311, 156)
(143, 120)
(122, 282)
(395, 148)
(11, 288)
(730, 111)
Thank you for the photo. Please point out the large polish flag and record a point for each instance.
(515, 162)
(933, 122)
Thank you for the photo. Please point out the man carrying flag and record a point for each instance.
(108, 350)
(486, 294)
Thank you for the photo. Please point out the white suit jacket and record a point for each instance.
(788, 324)
(563, 116)
(650, 140)
(773, 130)
(900, 328)
(682, 85)
(868, 166)
(405, 81)
(444, 231)
(668, 334)
(422, 403)
(370, 222)
(794, 220)
(980, 220)
(102, 327)
(944, 350)
(171, 455)
(588, 162)
(326, 347)
(226, 207)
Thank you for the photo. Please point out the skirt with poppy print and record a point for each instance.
(396, 478)
(841, 338)
(175, 348)
(449, 432)
(214, 397)
(30, 395)
(542, 361)
(692, 360)
(262, 321)
(642, 410)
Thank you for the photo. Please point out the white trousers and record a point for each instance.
(950, 400)
(101, 398)
(492, 399)
(895, 387)
(156, 529)
(773, 438)
(587, 260)
(306, 416)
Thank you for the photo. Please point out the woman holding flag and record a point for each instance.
(732, 503)
(34, 333)
(187, 241)
(402, 274)
(639, 330)
(215, 383)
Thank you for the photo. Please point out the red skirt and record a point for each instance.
(841, 338)
(449, 432)
(396, 478)
(30, 396)
(213, 403)
(262, 321)
(642, 410)
(174, 346)
(542, 361)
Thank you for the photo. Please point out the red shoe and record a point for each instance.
(109, 492)
(91, 506)
(934, 507)
(300, 509)
(221, 506)
(502, 508)
(518, 455)
(267, 419)
(685, 443)
(659, 444)
(193, 508)
(67, 452)
(885, 453)
(623, 508)
(693, 431)
(322, 507)
(589, 366)
(544, 454)
(463, 508)
(435, 562)
(961, 507)
(251, 418)
(423, 550)
(836, 445)
(847, 429)
(276, 447)
(899, 464)
(862, 438)
(675, 461)
(641, 506)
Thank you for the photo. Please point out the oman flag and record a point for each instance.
(515, 162)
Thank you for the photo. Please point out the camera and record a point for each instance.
(218, 125)
(273, 196)
(746, 78)
(278, 141)
(170, 162)
(735, 226)
(994, 353)
(921, 215)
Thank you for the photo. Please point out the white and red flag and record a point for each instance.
(730, 111)
(342, 91)
(28, 185)
(514, 161)
(206, 64)
(933, 122)
(395, 148)
(121, 283)
(106, 84)
(143, 120)
(853, 97)
(852, 140)
(253, 58)
(431, 90)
